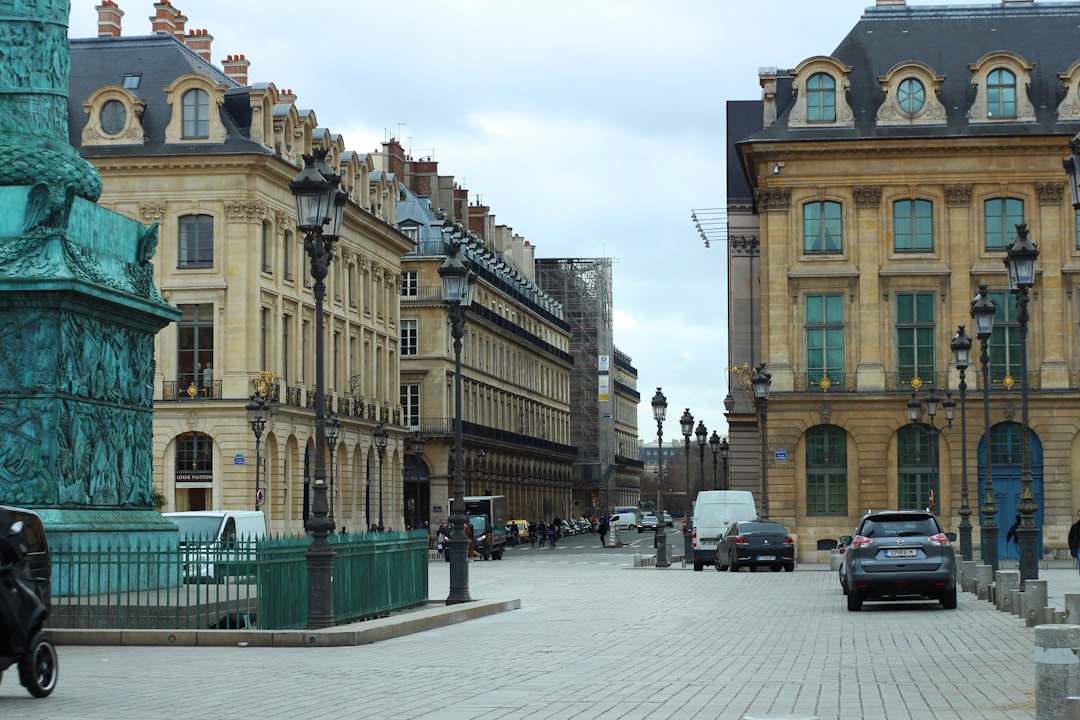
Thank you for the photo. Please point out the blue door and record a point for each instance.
(1006, 456)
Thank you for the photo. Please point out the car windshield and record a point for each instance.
(197, 527)
(479, 524)
(760, 527)
(900, 526)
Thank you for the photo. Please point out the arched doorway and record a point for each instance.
(1006, 461)
(417, 492)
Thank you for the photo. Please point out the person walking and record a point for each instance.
(1013, 537)
(604, 527)
(1074, 538)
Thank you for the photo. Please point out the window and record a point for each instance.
(917, 459)
(826, 470)
(824, 337)
(821, 227)
(196, 114)
(915, 336)
(1000, 94)
(287, 250)
(913, 226)
(410, 405)
(195, 344)
(132, 81)
(408, 337)
(113, 117)
(1076, 228)
(911, 95)
(408, 283)
(1004, 344)
(821, 98)
(194, 458)
(1001, 216)
(1005, 443)
(267, 248)
(196, 241)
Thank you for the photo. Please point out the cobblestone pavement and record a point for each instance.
(595, 637)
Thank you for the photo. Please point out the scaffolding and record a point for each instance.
(583, 286)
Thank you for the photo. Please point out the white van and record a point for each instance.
(714, 511)
(625, 519)
(217, 543)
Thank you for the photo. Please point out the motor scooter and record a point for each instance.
(25, 579)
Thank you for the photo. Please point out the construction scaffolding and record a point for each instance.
(583, 286)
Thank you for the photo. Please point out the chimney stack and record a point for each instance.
(164, 22)
(199, 41)
(236, 67)
(108, 22)
(287, 98)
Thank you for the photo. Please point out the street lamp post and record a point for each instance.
(457, 286)
(915, 408)
(1020, 260)
(982, 311)
(256, 410)
(724, 449)
(714, 445)
(702, 438)
(379, 435)
(418, 442)
(659, 409)
(333, 429)
(961, 347)
(761, 380)
(686, 422)
(320, 207)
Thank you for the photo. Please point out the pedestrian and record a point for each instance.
(1074, 538)
(343, 531)
(1013, 537)
(473, 555)
(208, 381)
(440, 539)
(604, 527)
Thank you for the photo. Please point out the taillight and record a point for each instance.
(941, 539)
(693, 537)
(740, 540)
(789, 540)
(860, 540)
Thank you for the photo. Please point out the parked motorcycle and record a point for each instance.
(25, 581)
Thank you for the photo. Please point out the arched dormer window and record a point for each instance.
(911, 96)
(113, 118)
(820, 85)
(1001, 81)
(821, 98)
(196, 117)
(1069, 107)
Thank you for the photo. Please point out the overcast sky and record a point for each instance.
(591, 127)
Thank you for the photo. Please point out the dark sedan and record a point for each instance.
(753, 543)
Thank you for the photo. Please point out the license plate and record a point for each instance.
(766, 557)
(896, 553)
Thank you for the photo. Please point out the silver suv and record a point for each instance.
(900, 555)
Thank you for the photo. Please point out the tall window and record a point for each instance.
(913, 226)
(408, 337)
(826, 470)
(194, 457)
(824, 337)
(196, 241)
(287, 250)
(196, 119)
(1005, 443)
(1004, 345)
(917, 460)
(195, 343)
(1001, 94)
(821, 227)
(915, 336)
(267, 248)
(1001, 216)
(410, 405)
(286, 348)
(821, 98)
(408, 284)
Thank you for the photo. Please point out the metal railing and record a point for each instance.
(187, 389)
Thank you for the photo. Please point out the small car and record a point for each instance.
(667, 519)
(754, 543)
(648, 522)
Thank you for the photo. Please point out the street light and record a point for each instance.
(687, 424)
(982, 311)
(915, 408)
(659, 411)
(761, 380)
(478, 469)
(256, 410)
(457, 286)
(320, 207)
(724, 449)
(379, 435)
(961, 347)
(714, 444)
(702, 438)
(333, 429)
(1020, 259)
(418, 443)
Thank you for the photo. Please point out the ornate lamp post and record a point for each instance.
(480, 455)
(379, 435)
(418, 443)
(333, 430)
(320, 207)
(1020, 259)
(457, 286)
(256, 410)
(724, 449)
(982, 311)
(761, 380)
(714, 444)
(686, 422)
(961, 347)
(914, 408)
(702, 437)
(659, 410)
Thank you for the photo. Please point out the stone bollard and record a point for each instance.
(1016, 600)
(984, 576)
(1033, 602)
(1072, 608)
(1057, 617)
(967, 575)
(1057, 669)
(1007, 580)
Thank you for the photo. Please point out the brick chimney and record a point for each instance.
(108, 19)
(422, 174)
(287, 97)
(164, 22)
(478, 216)
(395, 158)
(199, 41)
(236, 67)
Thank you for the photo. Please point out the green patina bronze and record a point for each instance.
(78, 306)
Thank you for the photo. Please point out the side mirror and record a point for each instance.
(845, 539)
(951, 536)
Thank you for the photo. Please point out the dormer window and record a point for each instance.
(911, 95)
(1001, 94)
(196, 114)
(820, 85)
(821, 98)
(113, 117)
(1001, 80)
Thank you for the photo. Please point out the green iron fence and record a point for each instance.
(101, 582)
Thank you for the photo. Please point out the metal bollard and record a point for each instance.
(1033, 602)
(1007, 580)
(984, 578)
(967, 575)
(1057, 669)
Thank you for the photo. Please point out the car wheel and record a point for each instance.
(774, 568)
(720, 567)
(698, 566)
(38, 667)
(854, 602)
(789, 567)
(948, 599)
(733, 564)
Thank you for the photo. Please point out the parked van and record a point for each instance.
(714, 511)
(625, 519)
(218, 543)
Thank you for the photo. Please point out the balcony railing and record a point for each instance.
(815, 382)
(430, 427)
(187, 389)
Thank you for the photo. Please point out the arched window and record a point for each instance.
(194, 457)
(1000, 94)
(1001, 216)
(826, 470)
(917, 464)
(822, 230)
(821, 98)
(196, 114)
